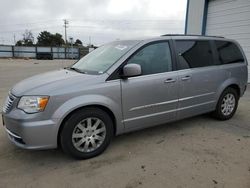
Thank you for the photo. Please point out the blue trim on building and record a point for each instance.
(186, 19)
(204, 20)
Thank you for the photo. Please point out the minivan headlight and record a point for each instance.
(33, 104)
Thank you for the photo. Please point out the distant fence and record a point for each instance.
(31, 52)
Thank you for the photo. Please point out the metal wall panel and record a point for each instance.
(30, 52)
(231, 19)
(43, 49)
(6, 51)
(194, 16)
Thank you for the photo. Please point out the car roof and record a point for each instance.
(191, 36)
(185, 37)
(180, 37)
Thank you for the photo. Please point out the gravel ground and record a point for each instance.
(196, 152)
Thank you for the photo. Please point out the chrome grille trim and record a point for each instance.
(8, 103)
(12, 134)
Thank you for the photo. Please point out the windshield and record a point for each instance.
(102, 58)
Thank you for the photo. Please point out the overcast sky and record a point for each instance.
(102, 20)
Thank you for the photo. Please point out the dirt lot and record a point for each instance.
(196, 152)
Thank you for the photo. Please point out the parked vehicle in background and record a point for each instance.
(44, 55)
(125, 86)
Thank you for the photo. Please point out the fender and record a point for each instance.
(87, 100)
(225, 84)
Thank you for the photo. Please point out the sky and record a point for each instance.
(92, 21)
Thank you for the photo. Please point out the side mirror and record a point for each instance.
(130, 70)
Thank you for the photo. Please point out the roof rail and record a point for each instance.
(190, 35)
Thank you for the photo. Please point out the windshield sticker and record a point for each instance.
(121, 47)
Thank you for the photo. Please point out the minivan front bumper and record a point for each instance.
(28, 133)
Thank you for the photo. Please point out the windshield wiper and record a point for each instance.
(76, 69)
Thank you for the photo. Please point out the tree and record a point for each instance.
(57, 40)
(46, 38)
(19, 43)
(28, 38)
(78, 42)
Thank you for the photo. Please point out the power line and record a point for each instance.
(97, 26)
(104, 23)
(103, 27)
(126, 20)
(29, 23)
(127, 27)
(22, 30)
(97, 20)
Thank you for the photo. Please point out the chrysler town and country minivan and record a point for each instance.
(125, 86)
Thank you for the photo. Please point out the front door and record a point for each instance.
(152, 97)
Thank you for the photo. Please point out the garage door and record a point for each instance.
(231, 19)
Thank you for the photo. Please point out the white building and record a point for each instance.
(228, 18)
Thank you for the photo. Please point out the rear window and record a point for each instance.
(228, 52)
(193, 54)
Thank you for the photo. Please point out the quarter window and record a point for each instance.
(154, 58)
(193, 54)
(228, 52)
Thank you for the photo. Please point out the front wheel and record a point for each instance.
(87, 133)
(227, 104)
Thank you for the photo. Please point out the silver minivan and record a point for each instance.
(125, 86)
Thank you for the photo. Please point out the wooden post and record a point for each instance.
(36, 51)
(51, 51)
(13, 51)
(65, 53)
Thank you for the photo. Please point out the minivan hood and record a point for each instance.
(44, 84)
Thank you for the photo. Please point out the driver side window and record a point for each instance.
(154, 58)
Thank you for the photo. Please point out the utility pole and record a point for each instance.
(71, 41)
(14, 39)
(66, 22)
(89, 40)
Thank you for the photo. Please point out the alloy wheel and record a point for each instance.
(89, 134)
(228, 104)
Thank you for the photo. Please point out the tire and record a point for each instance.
(87, 133)
(221, 112)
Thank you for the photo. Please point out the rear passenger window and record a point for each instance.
(228, 52)
(193, 54)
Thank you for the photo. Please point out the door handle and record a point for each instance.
(185, 78)
(169, 80)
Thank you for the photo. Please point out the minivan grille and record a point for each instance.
(8, 103)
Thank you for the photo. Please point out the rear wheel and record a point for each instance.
(87, 133)
(227, 104)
